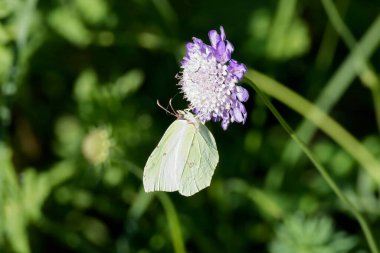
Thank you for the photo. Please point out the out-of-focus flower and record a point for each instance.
(96, 146)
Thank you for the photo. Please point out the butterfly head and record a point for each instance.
(188, 116)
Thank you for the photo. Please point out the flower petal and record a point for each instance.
(243, 111)
(237, 69)
(222, 54)
(225, 124)
(242, 94)
(184, 60)
(189, 46)
(195, 111)
(221, 48)
(229, 46)
(238, 115)
(197, 41)
(214, 38)
(222, 33)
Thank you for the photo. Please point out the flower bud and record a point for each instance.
(96, 146)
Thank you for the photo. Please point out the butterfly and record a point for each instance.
(185, 158)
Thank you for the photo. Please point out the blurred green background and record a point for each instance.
(79, 83)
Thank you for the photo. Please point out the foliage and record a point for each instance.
(79, 81)
(299, 234)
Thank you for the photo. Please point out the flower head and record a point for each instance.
(96, 146)
(208, 80)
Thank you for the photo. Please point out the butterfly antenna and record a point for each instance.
(171, 106)
(166, 110)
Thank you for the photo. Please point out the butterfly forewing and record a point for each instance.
(165, 165)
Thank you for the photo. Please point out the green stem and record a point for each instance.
(329, 41)
(175, 229)
(364, 69)
(168, 14)
(171, 214)
(337, 85)
(338, 23)
(320, 119)
(9, 88)
(320, 168)
(14, 218)
(376, 99)
(280, 25)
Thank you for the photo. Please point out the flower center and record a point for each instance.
(206, 85)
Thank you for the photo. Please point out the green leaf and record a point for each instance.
(93, 11)
(86, 86)
(69, 26)
(7, 7)
(128, 83)
(5, 62)
(299, 234)
(12, 214)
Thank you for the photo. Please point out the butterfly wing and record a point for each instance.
(165, 165)
(200, 162)
(184, 160)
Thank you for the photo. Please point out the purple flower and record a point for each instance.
(208, 80)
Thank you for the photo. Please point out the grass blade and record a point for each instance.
(366, 230)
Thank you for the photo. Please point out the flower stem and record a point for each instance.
(329, 180)
(320, 119)
(169, 208)
(335, 88)
(365, 70)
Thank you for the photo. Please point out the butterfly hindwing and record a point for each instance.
(200, 164)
